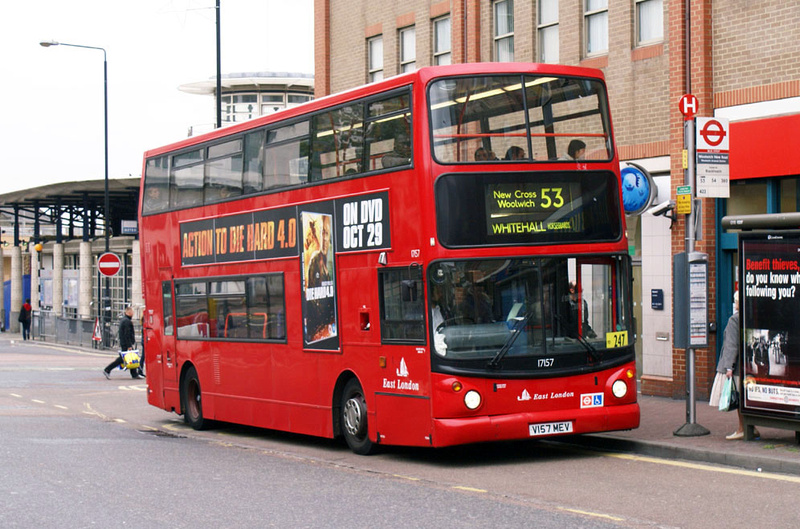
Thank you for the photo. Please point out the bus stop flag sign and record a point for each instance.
(109, 264)
(713, 171)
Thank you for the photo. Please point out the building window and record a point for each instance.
(375, 58)
(649, 21)
(596, 26)
(441, 41)
(548, 31)
(408, 50)
(240, 107)
(504, 30)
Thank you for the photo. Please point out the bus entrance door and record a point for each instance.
(167, 357)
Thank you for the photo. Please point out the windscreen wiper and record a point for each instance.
(516, 330)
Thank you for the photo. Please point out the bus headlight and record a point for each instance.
(472, 399)
(619, 388)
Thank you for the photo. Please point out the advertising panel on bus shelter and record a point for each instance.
(769, 283)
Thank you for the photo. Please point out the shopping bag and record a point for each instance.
(725, 396)
(733, 403)
(130, 359)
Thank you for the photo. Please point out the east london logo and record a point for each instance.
(402, 372)
(544, 396)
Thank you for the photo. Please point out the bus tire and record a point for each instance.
(354, 419)
(192, 401)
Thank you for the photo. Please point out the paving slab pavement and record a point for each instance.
(776, 450)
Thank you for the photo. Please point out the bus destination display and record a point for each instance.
(525, 208)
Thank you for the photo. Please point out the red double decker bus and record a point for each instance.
(435, 259)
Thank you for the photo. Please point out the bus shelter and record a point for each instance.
(769, 296)
(52, 237)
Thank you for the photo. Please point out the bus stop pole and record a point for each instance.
(691, 428)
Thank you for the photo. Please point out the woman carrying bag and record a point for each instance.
(729, 367)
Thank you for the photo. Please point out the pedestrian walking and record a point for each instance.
(127, 342)
(25, 319)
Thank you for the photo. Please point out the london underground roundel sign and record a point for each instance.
(109, 264)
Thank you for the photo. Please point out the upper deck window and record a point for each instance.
(368, 135)
(519, 118)
(156, 189)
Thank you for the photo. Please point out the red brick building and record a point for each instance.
(744, 68)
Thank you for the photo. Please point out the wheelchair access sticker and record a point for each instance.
(616, 339)
(591, 400)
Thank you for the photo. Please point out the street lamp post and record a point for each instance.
(106, 305)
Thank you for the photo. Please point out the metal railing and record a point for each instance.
(46, 326)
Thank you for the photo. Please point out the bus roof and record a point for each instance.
(424, 75)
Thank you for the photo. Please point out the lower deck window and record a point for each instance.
(232, 308)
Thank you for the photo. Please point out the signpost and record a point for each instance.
(688, 106)
(713, 172)
(109, 264)
(684, 200)
(688, 304)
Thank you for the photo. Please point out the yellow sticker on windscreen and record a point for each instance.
(616, 339)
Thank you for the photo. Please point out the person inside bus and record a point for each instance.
(575, 150)
(515, 153)
(155, 198)
(578, 316)
(483, 155)
(400, 154)
(473, 304)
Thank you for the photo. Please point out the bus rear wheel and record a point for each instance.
(354, 419)
(192, 401)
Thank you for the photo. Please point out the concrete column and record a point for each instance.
(2, 289)
(16, 288)
(34, 278)
(58, 279)
(137, 296)
(85, 282)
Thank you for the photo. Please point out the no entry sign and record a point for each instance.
(109, 264)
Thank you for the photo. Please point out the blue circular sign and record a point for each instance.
(636, 189)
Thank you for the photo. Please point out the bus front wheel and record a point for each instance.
(354, 419)
(192, 401)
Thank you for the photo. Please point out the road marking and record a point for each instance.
(37, 401)
(174, 427)
(59, 406)
(708, 468)
(120, 420)
(405, 477)
(68, 350)
(15, 395)
(90, 411)
(469, 489)
(594, 514)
